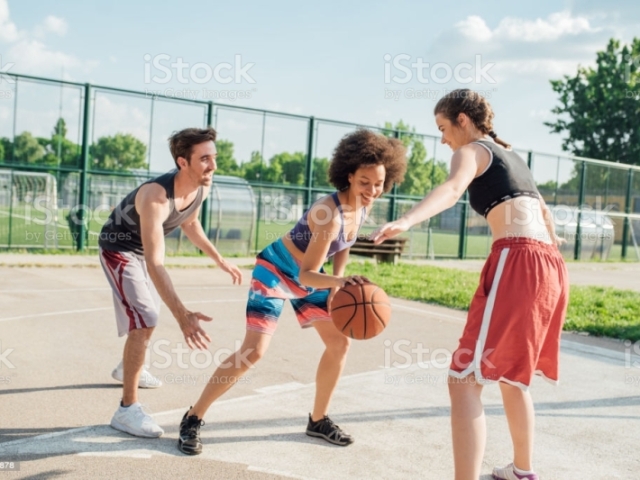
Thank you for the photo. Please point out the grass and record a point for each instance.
(599, 311)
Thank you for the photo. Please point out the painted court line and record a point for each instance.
(86, 310)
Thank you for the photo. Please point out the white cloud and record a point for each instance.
(29, 51)
(56, 25)
(8, 30)
(556, 25)
(475, 28)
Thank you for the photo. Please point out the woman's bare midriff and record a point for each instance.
(518, 217)
(293, 250)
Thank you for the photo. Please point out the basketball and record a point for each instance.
(361, 311)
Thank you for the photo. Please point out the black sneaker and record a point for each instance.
(189, 441)
(325, 428)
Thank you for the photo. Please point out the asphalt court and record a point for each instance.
(57, 332)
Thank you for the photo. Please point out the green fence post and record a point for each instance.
(393, 206)
(309, 182)
(205, 219)
(583, 181)
(627, 211)
(85, 166)
(10, 209)
(462, 242)
(259, 216)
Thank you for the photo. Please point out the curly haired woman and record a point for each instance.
(364, 165)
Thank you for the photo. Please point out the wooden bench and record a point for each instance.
(388, 251)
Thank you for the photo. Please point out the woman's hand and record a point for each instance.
(389, 230)
(354, 280)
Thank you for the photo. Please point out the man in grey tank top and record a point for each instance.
(132, 257)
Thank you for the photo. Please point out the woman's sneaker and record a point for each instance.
(146, 379)
(135, 421)
(509, 473)
(325, 428)
(189, 441)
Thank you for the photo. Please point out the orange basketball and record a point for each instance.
(361, 311)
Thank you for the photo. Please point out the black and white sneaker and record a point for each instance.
(325, 428)
(189, 441)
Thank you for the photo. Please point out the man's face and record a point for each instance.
(203, 163)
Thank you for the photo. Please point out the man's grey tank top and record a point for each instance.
(121, 231)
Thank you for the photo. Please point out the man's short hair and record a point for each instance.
(181, 143)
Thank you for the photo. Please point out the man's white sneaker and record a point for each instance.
(147, 380)
(135, 421)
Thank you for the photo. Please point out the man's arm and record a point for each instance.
(153, 207)
(194, 232)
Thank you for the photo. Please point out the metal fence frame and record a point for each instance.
(308, 188)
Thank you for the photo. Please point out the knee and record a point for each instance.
(463, 387)
(140, 335)
(339, 346)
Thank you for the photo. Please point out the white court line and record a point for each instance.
(85, 310)
(46, 436)
(96, 289)
(426, 311)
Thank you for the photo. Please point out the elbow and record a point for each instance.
(304, 278)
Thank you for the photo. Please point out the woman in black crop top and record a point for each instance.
(515, 318)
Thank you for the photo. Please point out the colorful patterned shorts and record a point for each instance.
(275, 279)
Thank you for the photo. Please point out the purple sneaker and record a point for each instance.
(509, 473)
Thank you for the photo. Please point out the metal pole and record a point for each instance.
(578, 240)
(10, 208)
(555, 193)
(153, 101)
(259, 216)
(462, 242)
(627, 210)
(15, 121)
(205, 216)
(309, 172)
(85, 166)
(392, 212)
(530, 159)
(264, 121)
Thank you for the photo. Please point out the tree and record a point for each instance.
(321, 172)
(227, 164)
(599, 109)
(252, 170)
(59, 149)
(27, 149)
(2, 159)
(288, 168)
(422, 174)
(7, 147)
(120, 152)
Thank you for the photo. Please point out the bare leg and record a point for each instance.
(135, 349)
(468, 427)
(518, 407)
(253, 348)
(330, 367)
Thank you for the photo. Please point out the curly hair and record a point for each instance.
(181, 143)
(472, 104)
(364, 148)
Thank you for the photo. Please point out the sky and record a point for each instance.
(358, 61)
